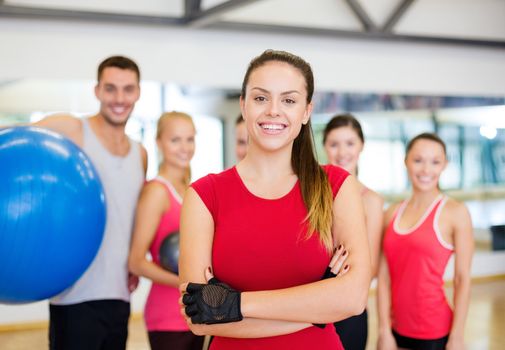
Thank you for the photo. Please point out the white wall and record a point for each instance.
(43, 49)
(39, 311)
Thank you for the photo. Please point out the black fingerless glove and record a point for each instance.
(327, 274)
(212, 303)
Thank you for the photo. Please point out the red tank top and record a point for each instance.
(417, 259)
(260, 244)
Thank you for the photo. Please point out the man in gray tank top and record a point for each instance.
(93, 313)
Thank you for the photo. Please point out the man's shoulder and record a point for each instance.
(65, 124)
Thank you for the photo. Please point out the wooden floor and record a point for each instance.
(485, 327)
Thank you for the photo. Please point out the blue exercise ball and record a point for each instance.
(52, 213)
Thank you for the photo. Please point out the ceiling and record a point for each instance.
(461, 22)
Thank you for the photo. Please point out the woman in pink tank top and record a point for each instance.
(421, 234)
(343, 141)
(158, 215)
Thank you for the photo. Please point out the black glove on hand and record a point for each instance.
(212, 303)
(327, 274)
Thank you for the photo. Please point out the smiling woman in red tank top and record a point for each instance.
(420, 236)
(268, 227)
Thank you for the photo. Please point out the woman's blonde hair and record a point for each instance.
(316, 191)
(162, 124)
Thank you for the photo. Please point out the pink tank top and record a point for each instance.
(162, 306)
(417, 259)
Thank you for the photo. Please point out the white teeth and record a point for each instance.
(424, 178)
(342, 162)
(272, 126)
(118, 109)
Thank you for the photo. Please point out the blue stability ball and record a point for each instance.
(52, 214)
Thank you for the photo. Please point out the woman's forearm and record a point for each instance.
(383, 297)
(461, 300)
(145, 268)
(463, 250)
(324, 301)
(250, 328)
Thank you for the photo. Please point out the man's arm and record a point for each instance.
(65, 124)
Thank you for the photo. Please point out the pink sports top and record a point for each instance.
(162, 312)
(417, 259)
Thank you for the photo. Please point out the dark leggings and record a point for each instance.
(166, 340)
(353, 331)
(420, 344)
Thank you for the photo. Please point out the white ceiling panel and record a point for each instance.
(379, 10)
(467, 22)
(328, 14)
(172, 8)
(207, 4)
(471, 19)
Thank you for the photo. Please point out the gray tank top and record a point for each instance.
(122, 179)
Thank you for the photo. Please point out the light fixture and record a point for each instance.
(488, 132)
